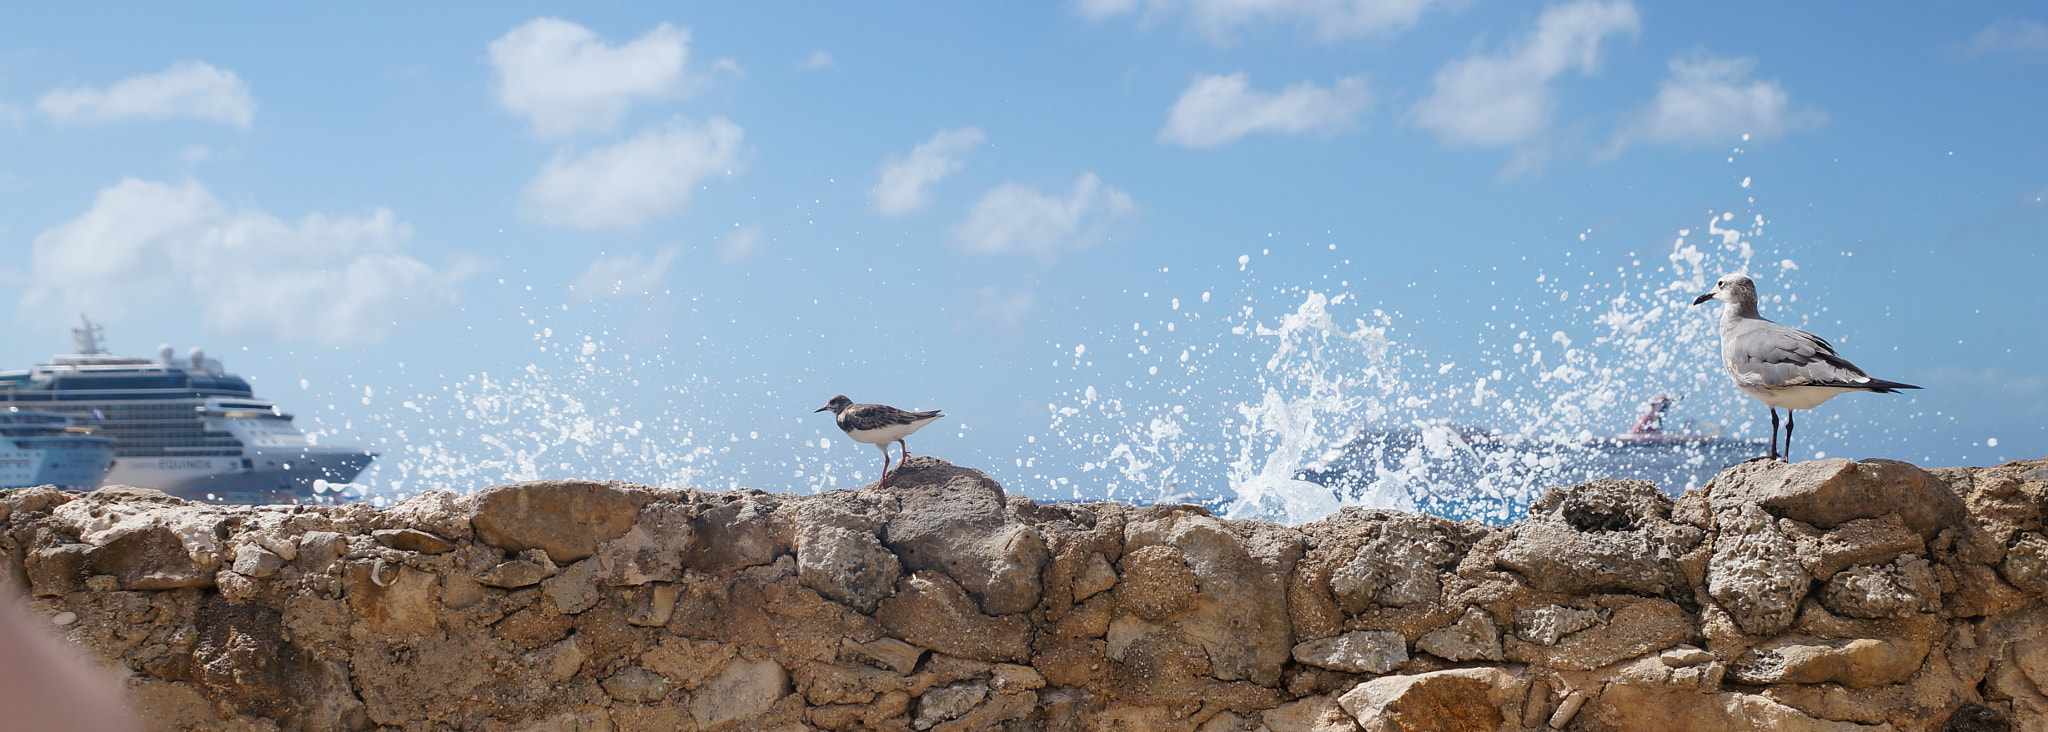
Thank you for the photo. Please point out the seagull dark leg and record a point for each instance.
(1789, 417)
(1774, 433)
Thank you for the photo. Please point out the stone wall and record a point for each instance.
(1824, 595)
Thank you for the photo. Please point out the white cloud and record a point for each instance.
(1505, 98)
(147, 245)
(629, 274)
(819, 59)
(650, 175)
(739, 244)
(1016, 218)
(901, 190)
(1216, 110)
(2012, 36)
(566, 80)
(994, 312)
(1218, 19)
(189, 89)
(1710, 101)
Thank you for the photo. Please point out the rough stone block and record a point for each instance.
(850, 567)
(1474, 637)
(1459, 699)
(1359, 651)
(1755, 573)
(566, 518)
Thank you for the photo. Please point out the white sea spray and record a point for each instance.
(1288, 417)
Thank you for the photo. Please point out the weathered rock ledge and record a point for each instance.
(1824, 595)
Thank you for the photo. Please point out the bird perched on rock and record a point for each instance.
(878, 424)
(1782, 367)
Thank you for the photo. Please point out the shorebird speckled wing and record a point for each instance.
(878, 424)
(1785, 368)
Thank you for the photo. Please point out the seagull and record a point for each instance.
(1782, 367)
(878, 424)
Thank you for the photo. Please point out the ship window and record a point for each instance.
(100, 383)
(225, 382)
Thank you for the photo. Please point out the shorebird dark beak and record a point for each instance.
(1703, 298)
(820, 409)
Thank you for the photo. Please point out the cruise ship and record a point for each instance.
(183, 426)
(51, 448)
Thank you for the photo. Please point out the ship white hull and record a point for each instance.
(80, 465)
(265, 477)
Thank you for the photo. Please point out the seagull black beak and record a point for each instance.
(1703, 298)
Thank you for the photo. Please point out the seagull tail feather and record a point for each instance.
(1879, 386)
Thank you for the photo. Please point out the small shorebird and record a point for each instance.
(1782, 367)
(878, 424)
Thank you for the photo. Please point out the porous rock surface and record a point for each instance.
(1827, 595)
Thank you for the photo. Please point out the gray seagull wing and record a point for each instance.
(1779, 356)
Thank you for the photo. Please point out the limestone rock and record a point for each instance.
(850, 567)
(651, 551)
(1157, 583)
(886, 653)
(1308, 714)
(1637, 706)
(574, 589)
(440, 514)
(565, 518)
(744, 689)
(935, 613)
(399, 603)
(319, 549)
(1862, 541)
(953, 520)
(1359, 651)
(1011, 678)
(635, 684)
(1832, 492)
(948, 702)
(1894, 590)
(256, 561)
(1475, 637)
(1855, 663)
(1546, 624)
(413, 540)
(529, 569)
(2026, 563)
(1098, 576)
(149, 558)
(1458, 699)
(1400, 564)
(732, 530)
(1755, 573)
(687, 662)
(1238, 615)
(1609, 535)
(1635, 626)
(55, 571)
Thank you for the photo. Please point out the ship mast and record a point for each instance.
(87, 338)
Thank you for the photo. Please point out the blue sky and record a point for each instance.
(509, 240)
